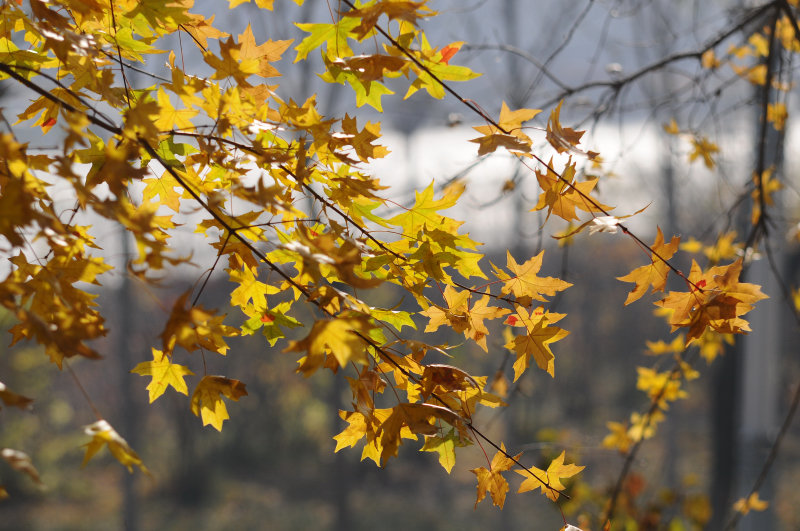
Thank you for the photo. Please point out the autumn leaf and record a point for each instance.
(705, 149)
(618, 437)
(425, 209)
(776, 115)
(534, 343)
(562, 194)
(549, 481)
(333, 35)
(265, 53)
(717, 300)
(409, 420)
(445, 446)
(461, 317)
(655, 274)
(207, 400)
(492, 481)
(103, 434)
(751, 503)
(169, 117)
(672, 127)
(164, 374)
(21, 462)
(230, 63)
(563, 139)
(450, 50)
(342, 337)
(266, 4)
(194, 328)
(508, 132)
(709, 60)
(163, 187)
(767, 185)
(724, 248)
(525, 284)
(13, 399)
(661, 387)
(393, 9)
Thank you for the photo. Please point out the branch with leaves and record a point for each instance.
(283, 195)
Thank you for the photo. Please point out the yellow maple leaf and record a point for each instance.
(341, 337)
(725, 248)
(654, 274)
(618, 438)
(491, 480)
(266, 53)
(103, 434)
(195, 327)
(549, 481)
(703, 147)
(672, 127)
(751, 503)
(756, 75)
(356, 429)
(561, 195)
(525, 284)
(509, 134)
(164, 187)
(169, 116)
(479, 312)
(662, 387)
(445, 446)
(463, 318)
(231, 64)
(164, 374)
(407, 420)
(717, 300)
(776, 115)
(535, 342)
(202, 29)
(207, 398)
(766, 184)
(267, 4)
(454, 315)
(709, 60)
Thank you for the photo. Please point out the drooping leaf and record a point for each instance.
(13, 399)
(103, 434)
(207, 400)
(491, 480)
(21, 462)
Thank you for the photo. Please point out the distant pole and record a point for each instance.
(761, 361)
(126, 315)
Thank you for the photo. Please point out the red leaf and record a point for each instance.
(449, 51)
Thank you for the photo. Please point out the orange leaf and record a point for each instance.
(655, 274)
(550, 481)
(492, 481)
